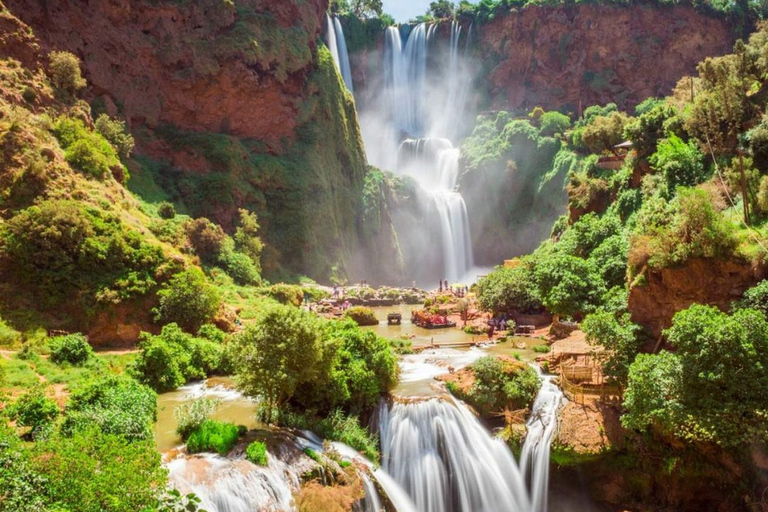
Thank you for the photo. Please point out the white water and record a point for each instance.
(541, 427)
(337, 44)
(235, 485)
(446, 461)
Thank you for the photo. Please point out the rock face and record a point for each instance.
(669, 290)
(201, 66)
(232, 105)
(574, 57)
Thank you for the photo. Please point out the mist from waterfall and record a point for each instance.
(411, 127)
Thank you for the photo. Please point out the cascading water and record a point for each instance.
(337, 44)
(420, 75)
(541, 428)
(446, 461)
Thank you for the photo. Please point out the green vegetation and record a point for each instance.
(509, 289)
(187, 299)
(65, 72)
(34, 409)
(257, 453)
(73, 349)
(213, 436)
(173, 357)
(113, 404)
(362, 315)
(711, 388)
(337, 427)
(192, 414)
(500, 384)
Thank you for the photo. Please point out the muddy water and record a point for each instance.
(233, 407)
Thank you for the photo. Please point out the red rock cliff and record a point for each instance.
(595, 54)
(190, 64)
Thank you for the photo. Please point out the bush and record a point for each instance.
(604, 132)
(174, 357)
(65, 72)
(88, 150)
(9, 337)
(568, 285)
(552, 123)
(93, 472)
(617, 336)
(114, 404)
(192, 414)
(362, 315)
(115, 132)
(73, 349)
(166, 210)
(502, 384)
(680, 163)
(755, 298)
(34, 409)
(287, 294)
(188, 300)
(240, 267)
(542, 349)
(257, 453)
(213, 436)
(206, 238)
(246, 238)
(509, 289)
(337, 427)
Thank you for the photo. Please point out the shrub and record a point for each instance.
(502, 383)
(362, 315)
(192, 414)
(239, 266)
(166, 210)
(213, 436)
(568, 285)
(113, 404)
(337, 427)
(542, 349)
(115, 132)
(9, 337)
(65, 72)
(617, 336)
(34, 409)
(680, 163)
(246, 238)
(287, 294)
(257, 453)
(207, 239)
(211, 333)
(188, 300)
(604, 132)
(73, 349)
(93, 471)
(174, 357)
(88, 150)
(755, 298)
(552, 123)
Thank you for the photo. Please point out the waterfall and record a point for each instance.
(235, 485)
(446, 461)
(337, 44)
(434, 163)
(541, 427)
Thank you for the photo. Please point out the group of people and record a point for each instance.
(497, 324)
(459, 291)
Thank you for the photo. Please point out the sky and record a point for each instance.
(404, 10)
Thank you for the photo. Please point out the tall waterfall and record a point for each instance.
(337, 44)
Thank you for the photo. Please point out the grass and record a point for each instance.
(213, 436)
(542, 349)
(19, 374)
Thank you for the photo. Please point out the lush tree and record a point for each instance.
(501, 383)
(366, 8)
(604, 132)
(680, 163)
(187, 299)
(64, 70)
(247, 239)
(276, 354)
(173, 357)
(755, 298)
(714, 388)
(588, 232)
(113, 404)
(115, 132)
(649, 127)
(616, 341)
(553, 122)
(206, 238)
(442, 9)
(568, 286)
(509, 289)
(72, 348)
